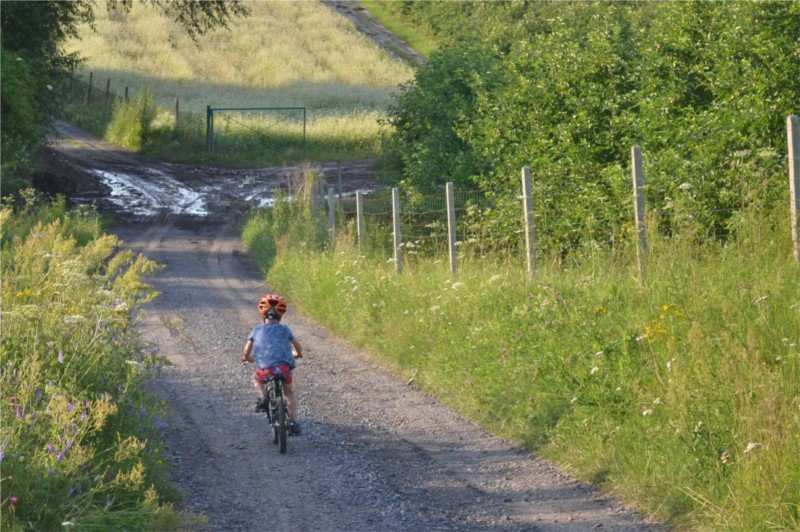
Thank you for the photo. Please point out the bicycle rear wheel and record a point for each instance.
(282, 425)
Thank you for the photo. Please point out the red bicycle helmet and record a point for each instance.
(272, 306)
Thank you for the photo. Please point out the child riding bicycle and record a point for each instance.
(269, 346)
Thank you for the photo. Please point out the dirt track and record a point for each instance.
(376, 454)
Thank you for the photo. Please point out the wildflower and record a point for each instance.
(595, 370)
(51, 448)
(67, 523)
(457, 286)
(752, 446)
(657, 401)
(495, 278)
(60, 357)
(599, 353)
(684, 186)
(13, 500)
(70, 407)
(647, 412)
(20, 414)
(2, 455)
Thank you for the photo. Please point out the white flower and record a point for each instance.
(647, 412)
(495, 278)
(49, 87)
(684, 186)
(751, 446)
(599, 353)
(595, 370)
(457, 286)
(657, 401)
(573, 399)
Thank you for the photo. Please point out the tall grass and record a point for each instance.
(79, 441)
(285, 54)
(679, 394)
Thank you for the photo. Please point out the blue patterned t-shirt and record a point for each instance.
(271, 345)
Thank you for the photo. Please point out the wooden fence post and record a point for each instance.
(398, 251)
(339, 179)
(177, 108)
(360, 220)
(637, 173)
(793, 133)
(451, 227)
(331, 213)
(89, 89)
(527, 216)
(108, 89)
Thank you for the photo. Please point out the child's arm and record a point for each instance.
(298, 350)
(247, 356)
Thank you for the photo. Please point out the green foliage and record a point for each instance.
(80, 438)
(31, 62)
(686, 406)
(703, 87)
(132, 121)
(430, 116)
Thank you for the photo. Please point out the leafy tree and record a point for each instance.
(431, 115)
(703, 87)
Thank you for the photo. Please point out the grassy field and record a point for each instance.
(285, 54)
(679, 394)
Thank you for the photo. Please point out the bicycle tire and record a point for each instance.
(282, 427)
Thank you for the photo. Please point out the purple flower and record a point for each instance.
(70, 407)
(60, 357)
(52, 473)
(51, 448)
(59, 457)
(2, 455)
(20, 414)
(33, 416)
(68, 446)
(83, 415)
(13, 500)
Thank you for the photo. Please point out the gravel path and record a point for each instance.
(375, 455)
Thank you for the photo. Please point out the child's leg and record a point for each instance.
(288, 391)
(259, 386)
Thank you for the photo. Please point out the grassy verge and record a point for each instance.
(679, 395)
(80, 440)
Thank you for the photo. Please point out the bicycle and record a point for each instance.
(278, 411)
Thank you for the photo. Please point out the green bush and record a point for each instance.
(704, 89)
(79, 435)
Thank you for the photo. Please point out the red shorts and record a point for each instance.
(263, 375)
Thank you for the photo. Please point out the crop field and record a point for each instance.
(284, 54)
